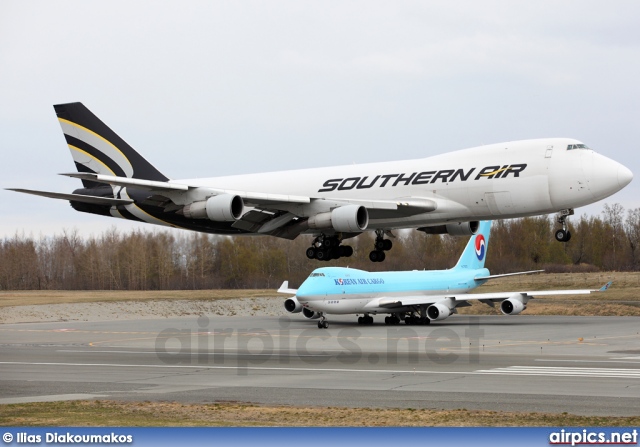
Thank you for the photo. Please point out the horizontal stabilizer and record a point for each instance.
(481, 278)
(128, 182)
(96, 200)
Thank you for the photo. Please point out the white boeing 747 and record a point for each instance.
(442, 194)
(417, 297)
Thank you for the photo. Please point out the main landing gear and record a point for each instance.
(323, 323)
(325, 248)
(563, 234)
(380, 246)
(367, 319)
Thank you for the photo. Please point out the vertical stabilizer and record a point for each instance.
(95, 148)
(475, 253)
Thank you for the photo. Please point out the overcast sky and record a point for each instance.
(209, 88)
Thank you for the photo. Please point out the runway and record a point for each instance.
(579, 365)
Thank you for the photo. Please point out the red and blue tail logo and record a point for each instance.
(480, 247)
(475, 252)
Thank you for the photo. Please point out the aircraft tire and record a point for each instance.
(562, 235)
(311, 253)
(387, 245)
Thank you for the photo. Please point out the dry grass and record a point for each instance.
(38, 297)
(116, 413)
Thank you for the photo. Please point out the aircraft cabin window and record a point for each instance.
(577, 146)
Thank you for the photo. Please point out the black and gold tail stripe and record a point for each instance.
(76, 113)
(108, 162)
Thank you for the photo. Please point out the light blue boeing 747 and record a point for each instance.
(417, 297)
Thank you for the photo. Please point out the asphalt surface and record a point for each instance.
(579, 365)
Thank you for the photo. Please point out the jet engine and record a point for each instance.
(221, 208)
(513, 305)
(308, 313)
(454, 229)
(292, 305)
(346, 219)
(438, 311)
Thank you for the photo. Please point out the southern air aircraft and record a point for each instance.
(442, 194)
(417, 297)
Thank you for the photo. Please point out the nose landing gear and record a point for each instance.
(563, 234)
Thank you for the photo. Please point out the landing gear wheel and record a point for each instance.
(360, 320)
(563, 235)
(376, 256)
(387, 245)
(322, 255)
(311, 252)
(325, 324)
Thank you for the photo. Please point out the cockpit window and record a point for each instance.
(577, 146)
(316, 274)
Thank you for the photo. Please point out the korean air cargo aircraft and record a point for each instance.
(443, 194)
(417, 297)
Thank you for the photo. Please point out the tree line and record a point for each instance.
(165, 260)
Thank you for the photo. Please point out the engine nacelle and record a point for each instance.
(513, 305)
(221, 208)
(438, 311)
(454, 229)
(292, 305)
(308, 313)
(346, 219)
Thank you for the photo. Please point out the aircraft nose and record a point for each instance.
(606, 176)
(624, 176)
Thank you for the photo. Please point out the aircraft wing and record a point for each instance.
(267, 201)
(487, 298)
(284, 288)
(405, 205)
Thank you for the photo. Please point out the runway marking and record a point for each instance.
(586, 361)
(195, 353)
(560, 371)
(511, 370)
